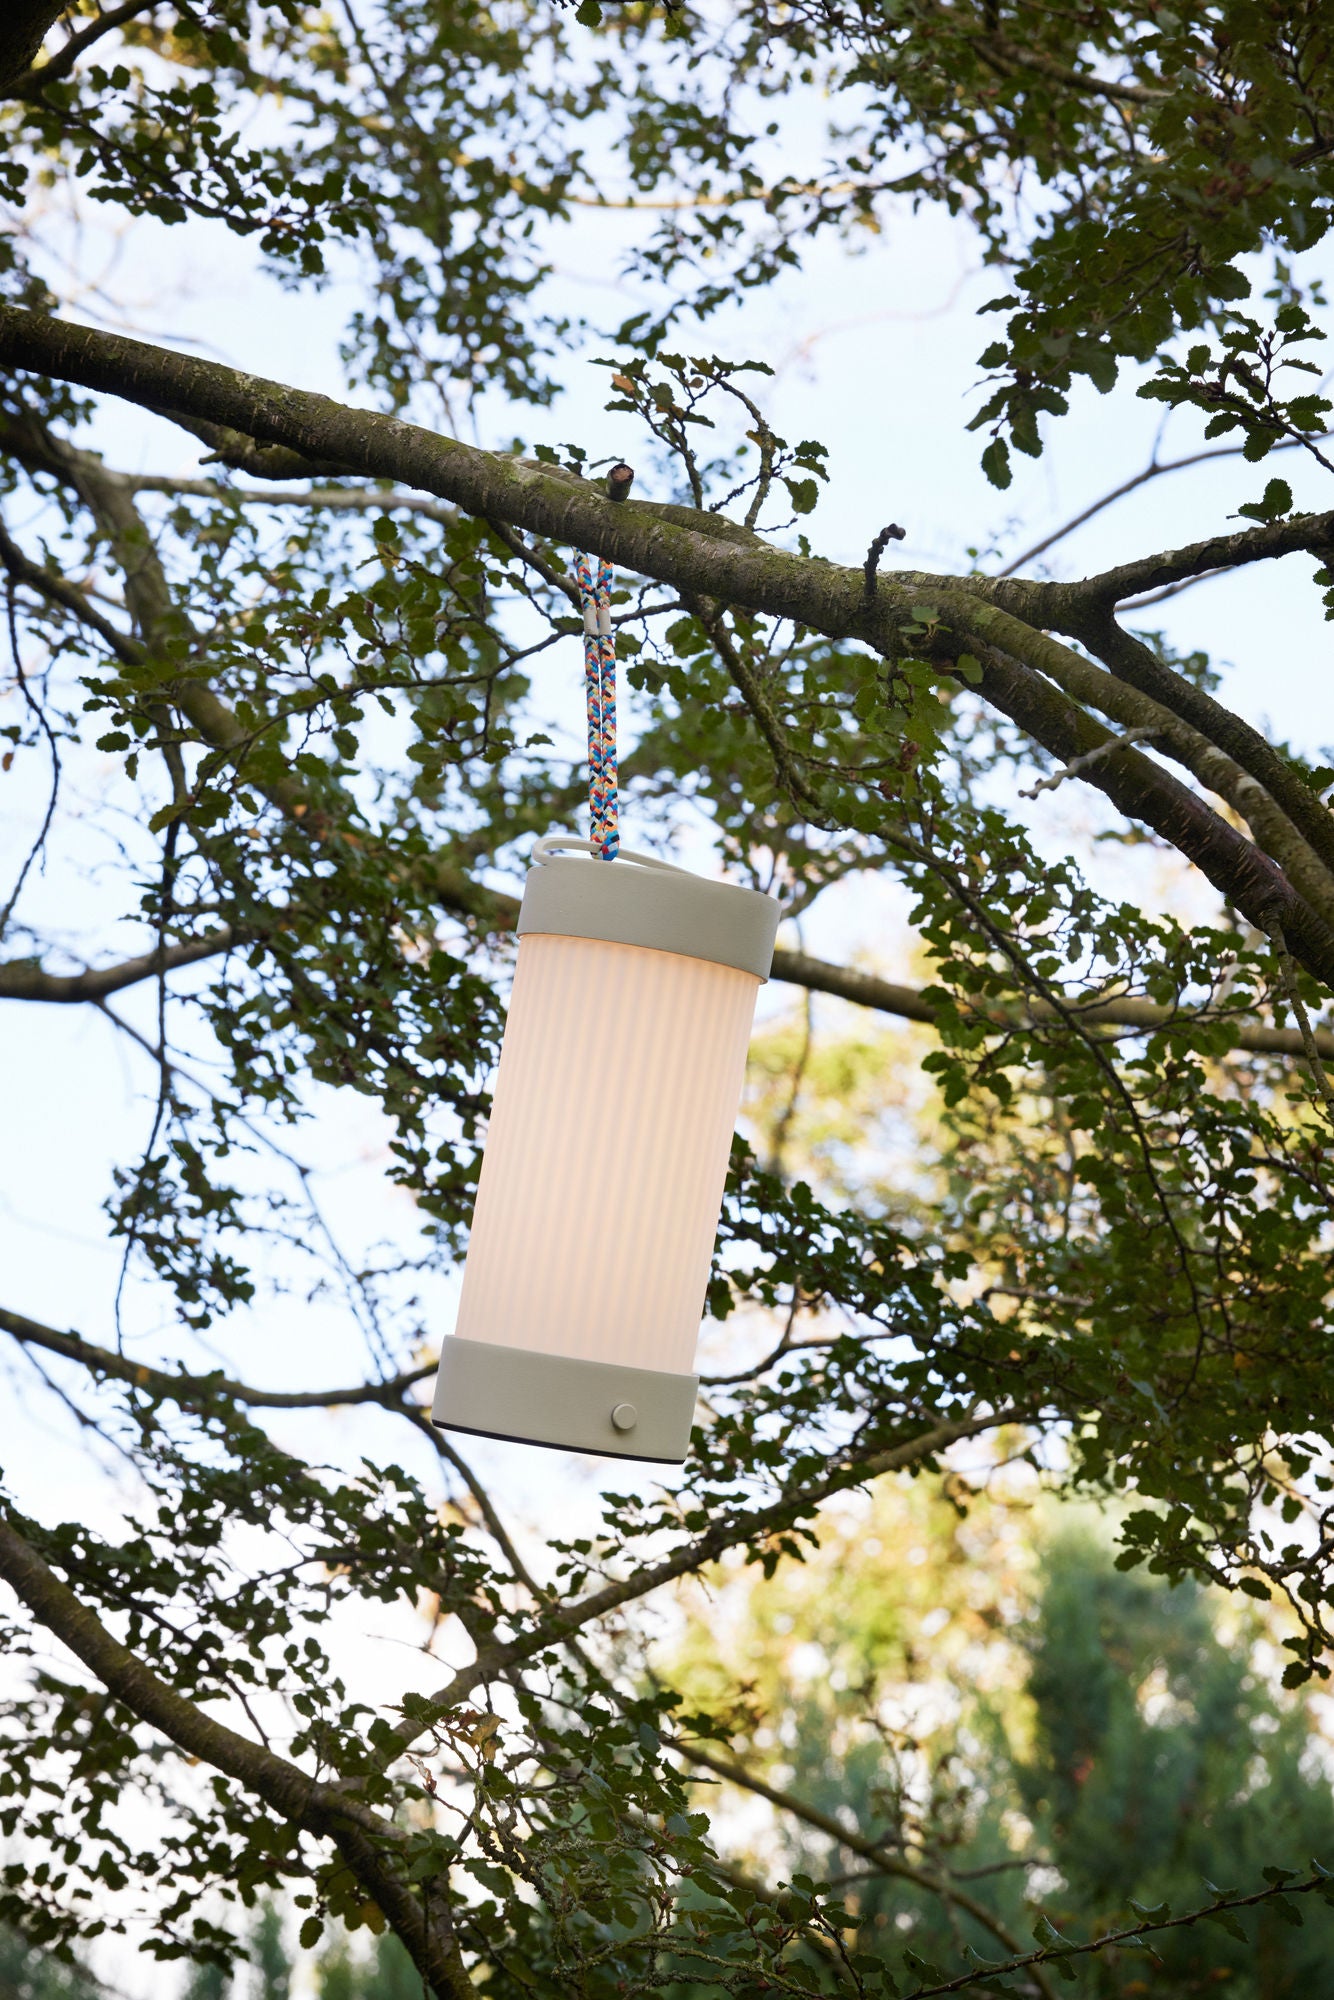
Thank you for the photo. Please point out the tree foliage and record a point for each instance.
(315, 671)
(996, 1715)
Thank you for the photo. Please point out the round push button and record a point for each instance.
(625, 1416)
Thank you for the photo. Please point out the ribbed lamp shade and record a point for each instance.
(601, 1185)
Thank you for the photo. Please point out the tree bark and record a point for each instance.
(24, 25)
(698, 553)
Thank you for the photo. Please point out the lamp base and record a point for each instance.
(571, 1405)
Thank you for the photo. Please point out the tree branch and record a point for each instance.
(1313, 533)
(885, 1862)
(1119, 696)
(26, 979)
(330, 499)
(1155, 470)
(1310, 1044)
(62, 62)
(998, 52)
(244, 453)
(1139, 788)
(109, 496)
(1029, 702)
(366, 1841)
(24, 26)
(56, 590)
(865, 989)
(200, 1392)
(696, 552)
(1132, 661)
(553, 1626)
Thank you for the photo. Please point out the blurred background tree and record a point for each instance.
(982, 1698)
(27, 1973)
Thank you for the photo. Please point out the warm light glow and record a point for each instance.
(602, 1181)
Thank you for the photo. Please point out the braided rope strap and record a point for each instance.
(600, 698)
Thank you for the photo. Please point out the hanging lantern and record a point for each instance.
(602, 1181)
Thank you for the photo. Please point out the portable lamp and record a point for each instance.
(602, 1179)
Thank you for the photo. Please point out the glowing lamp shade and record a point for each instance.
(602, 1180)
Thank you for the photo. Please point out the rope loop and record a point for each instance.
(600, 698)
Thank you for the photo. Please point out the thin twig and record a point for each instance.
(44, 722)
(1154, 470)
(1309, 1046)
(1078, 764)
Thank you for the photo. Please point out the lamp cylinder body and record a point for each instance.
(602, 1179)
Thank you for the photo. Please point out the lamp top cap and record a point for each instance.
(639, 900)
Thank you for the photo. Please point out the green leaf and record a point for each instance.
(803, 494)
(1101, 368)
(996, 463)
(1226, 1920)
(1047, 1935)
(312, 1930)
(1275, 502)
(922, 1966)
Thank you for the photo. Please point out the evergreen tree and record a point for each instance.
(385, 1973)
(1116, 1749)
(207, 1982)
(1160, 1763)
(27, 1973)
(268, 1953)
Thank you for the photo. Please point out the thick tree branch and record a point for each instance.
(1143, 791)
(33, 81)
(1118, 696)
(26, 978)
(1085, 611)
(1026, 697)
(366, 1841)
(1133, 662)
(24, 26)
(1313, 533)
(676, 544)
(697, 553)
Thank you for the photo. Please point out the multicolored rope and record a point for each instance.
(600, 691)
